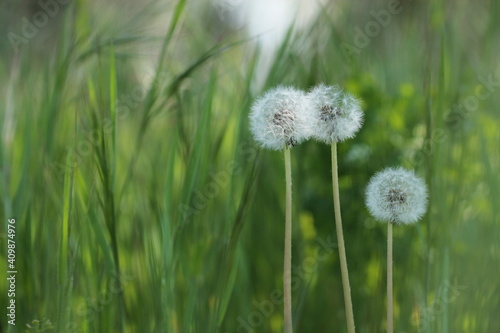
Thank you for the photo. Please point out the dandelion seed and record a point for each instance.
(397, 195)
(280, 119)
(337, 114)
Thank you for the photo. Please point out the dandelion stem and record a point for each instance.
(340, 240)
(287, 269)
(389, 279)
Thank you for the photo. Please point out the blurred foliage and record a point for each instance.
(142, 203)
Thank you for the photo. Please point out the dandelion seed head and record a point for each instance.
(337, 114)
(281, 118)
(396, 195)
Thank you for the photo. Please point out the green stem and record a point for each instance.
(287, 268)
(390, 324)
(340, 240)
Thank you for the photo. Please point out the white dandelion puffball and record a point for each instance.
(337, 114)
(281, 118)
(397, 195)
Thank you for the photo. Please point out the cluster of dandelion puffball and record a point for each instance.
(284, 117)
(396, 195)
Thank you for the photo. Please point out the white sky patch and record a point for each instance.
(270, 20)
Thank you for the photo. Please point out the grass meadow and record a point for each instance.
(143, 204)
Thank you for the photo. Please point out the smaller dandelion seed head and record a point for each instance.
(396, 195)
(280, 118)
(337, 114)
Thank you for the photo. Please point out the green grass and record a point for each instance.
(148, 207)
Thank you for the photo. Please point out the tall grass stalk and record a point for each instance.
(340, 239)
(64, 292)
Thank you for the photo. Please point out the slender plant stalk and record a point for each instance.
(390, 324)
(287, 268)
(340, 240)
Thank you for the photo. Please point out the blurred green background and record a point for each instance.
(142, 204)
